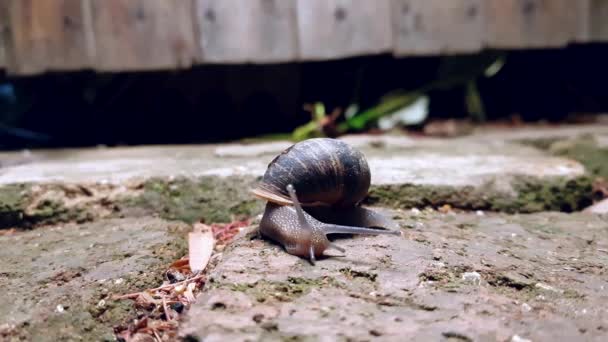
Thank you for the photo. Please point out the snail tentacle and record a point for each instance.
(338, 229)
(338, 248)
(299, 211)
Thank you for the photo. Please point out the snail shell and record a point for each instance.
(326, 172)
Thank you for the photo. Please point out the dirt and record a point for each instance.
(461, 277)
(57, 282)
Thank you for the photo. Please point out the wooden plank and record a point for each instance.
(533, 23)
(143, 34)
(342, 28)
(4, 30)
(49, 35)
(598, 23)
(247, 30)
(437, 26)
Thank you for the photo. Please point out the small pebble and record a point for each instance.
(472, 277)
(258, 318)
(60, 308)
(101, 304)
(375, 332)
(119, 281)
(479, 213)
(178, 307)
(517, 338)
(175, 276)
(526, 308)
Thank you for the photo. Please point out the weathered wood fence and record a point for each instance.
(115, 35)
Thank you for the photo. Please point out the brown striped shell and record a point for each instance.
(323, 171)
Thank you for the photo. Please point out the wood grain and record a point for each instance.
(4, 32)
(342, 28)
(598, 20)
(143, 34)
(247, 30)
(533, 23)
(437, 26)
(49, 35)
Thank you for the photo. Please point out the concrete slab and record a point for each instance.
(481, 171)
(469, 277)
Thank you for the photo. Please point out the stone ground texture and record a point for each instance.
(476, 278)
(95, 222)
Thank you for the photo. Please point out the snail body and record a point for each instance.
(331, 178)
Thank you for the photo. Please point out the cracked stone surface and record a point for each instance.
(465, 276)
(459, 276)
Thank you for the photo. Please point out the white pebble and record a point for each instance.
(548, 288)
(59, 308)
(517, 338)
(472, 277)
(119, 281)
(479, 213)
(101, 303)
(415, 211)
(526, 308)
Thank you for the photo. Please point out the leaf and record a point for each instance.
(200, 247)
(413, 114)
(474, 102)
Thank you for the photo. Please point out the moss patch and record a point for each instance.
(13, 201)
(559, 194)
(16, 209)
(583, 149)
(586, 151)
(209, 198)
(529, 195)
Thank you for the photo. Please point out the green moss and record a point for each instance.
(209, 198)
(410, 195)
(530, 195)
(351, 274)
(557, 194)
(586, 151)
(54, 211)
(16, 208)
(583, 149)
(13, 200)
(289, 290)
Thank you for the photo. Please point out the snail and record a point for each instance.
(329, 178)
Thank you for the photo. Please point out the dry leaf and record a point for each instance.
(181, 263)
(200, 247)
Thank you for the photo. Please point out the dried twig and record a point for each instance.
(154, 325)
(166, 309)
(164, 287)
(156, 335)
